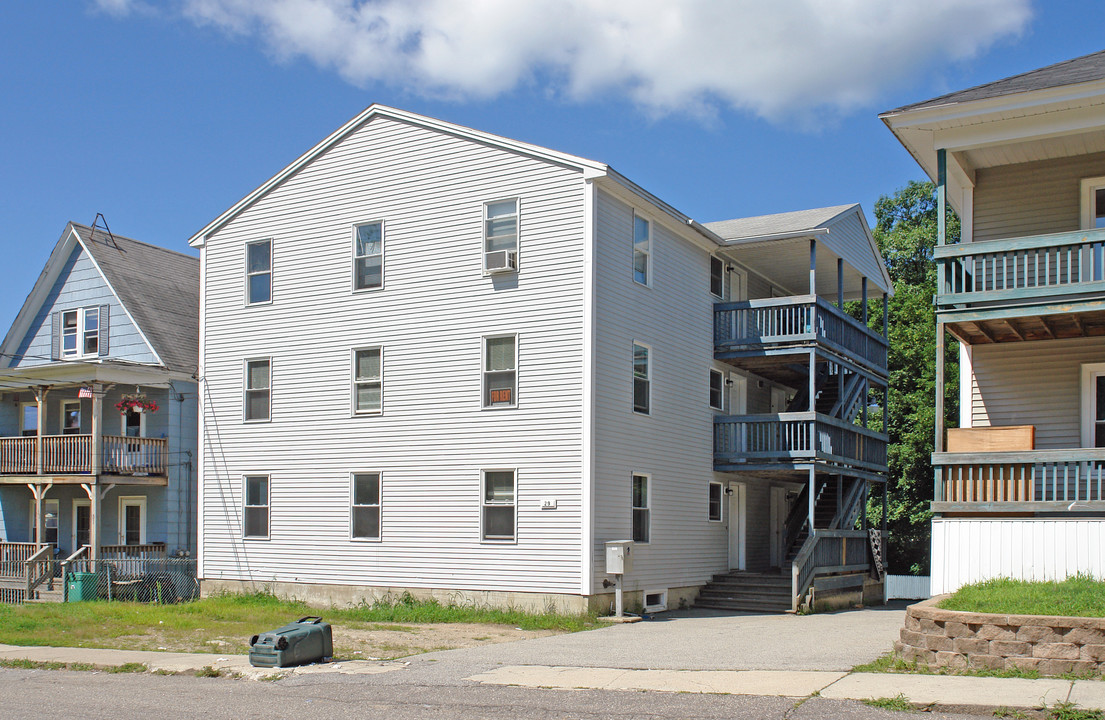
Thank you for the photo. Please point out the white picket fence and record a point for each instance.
(908, 587)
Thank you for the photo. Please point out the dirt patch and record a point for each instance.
(352, 641)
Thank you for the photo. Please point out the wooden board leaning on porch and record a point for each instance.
(992, 439)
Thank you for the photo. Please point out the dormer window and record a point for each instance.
(78, 332)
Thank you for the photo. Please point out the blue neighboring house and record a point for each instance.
(98, 404)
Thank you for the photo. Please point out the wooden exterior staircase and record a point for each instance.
(747, 592)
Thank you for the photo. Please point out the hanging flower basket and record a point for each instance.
(137, 403)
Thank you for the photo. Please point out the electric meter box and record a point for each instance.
(619, 557)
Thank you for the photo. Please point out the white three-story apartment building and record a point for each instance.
(441, 361)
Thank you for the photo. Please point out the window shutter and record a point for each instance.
(104, 329)
(55, 336)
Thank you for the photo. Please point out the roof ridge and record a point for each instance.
(117, 236)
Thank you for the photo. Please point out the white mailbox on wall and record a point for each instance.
(619, 557)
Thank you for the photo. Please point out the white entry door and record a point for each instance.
(738, 535)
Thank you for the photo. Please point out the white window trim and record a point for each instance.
(46, 503)
(722, 498)
(65, 406)
(141, 424)
(517, 234)
(379, 506)
(724, 276)
(483, 503)
(648, 506)
(78, 503)
(647, 251)
(23, 416)
(1089, 185)
(633, 377)
(659, 607)
(248, 274)
(267, 505)
(383, 239)
(353, 381)
(714, 372)
(127, 500)
(484, 371)
(79, 353)
(1089, 372)
(246, 389)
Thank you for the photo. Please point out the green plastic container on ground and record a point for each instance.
(80, 586)
(305, 641)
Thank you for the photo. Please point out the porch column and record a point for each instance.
(938, 445)
(941, 213)
(885, 317)
(40, 397)
(840, 283)
(97, 429)
(863, 290)
(38, 491)
(813, 390)
(813, 267)
(812, 499)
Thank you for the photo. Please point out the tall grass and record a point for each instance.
(1078, 596)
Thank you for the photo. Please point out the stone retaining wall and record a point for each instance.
(1049, 645)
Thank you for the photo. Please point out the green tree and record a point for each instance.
(905, 229)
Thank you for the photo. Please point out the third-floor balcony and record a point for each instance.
(1028, 288)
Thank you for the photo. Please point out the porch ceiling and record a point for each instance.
(62, 374)
(786, 265)
(1029, 327)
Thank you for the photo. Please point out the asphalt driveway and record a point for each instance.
(707, 640)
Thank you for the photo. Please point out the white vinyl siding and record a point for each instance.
(433, 441)
(1034, 383)
(1035, 198)
(675, 443)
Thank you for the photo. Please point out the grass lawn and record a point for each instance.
(1079, 596)
(224, 623)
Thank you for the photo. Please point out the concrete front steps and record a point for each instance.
(747, 592)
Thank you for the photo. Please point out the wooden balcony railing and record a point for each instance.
(798, 436)
(13, 558)
(1052, 480)
(802, 319)
(72, 454)
(1021, 270)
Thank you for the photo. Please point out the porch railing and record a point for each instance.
(1068, 477)
(73, 454)
(796, 320)
(782, 437)
(828, 552)
(1021, 268)
(13, 556)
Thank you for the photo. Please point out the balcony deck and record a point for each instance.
(753, 333)
(1033, 481)
(70, 456)
(1030, 288)
(782, 441)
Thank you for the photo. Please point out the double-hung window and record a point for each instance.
(717, 390)
(258, 389)
(642, 250)
(500, 371)
(368, 256)
(717, 277)
(255, 510)
(500, 236)
(259, 272)
(364, 521)
(715, 506)
(71, 417)
(640, 508)
(642, 379)
(368, 380)
(497, 516)
(80, 332)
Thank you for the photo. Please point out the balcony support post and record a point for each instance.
(811, 505)
(40, 412)
(840, 283)
(97, 432)
(938, 444)
(813, 389)
(38, 491)
(813, 267)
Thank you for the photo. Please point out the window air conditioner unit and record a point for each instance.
(501, 261)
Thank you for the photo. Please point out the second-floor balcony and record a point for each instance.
(1027, 288)
(787, 323)
(1022, 481)
(72, 455)
(779, 441)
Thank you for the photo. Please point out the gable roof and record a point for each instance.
(157, 288)
(765, 226)
(1087, 68)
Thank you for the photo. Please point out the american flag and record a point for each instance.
(84, 392)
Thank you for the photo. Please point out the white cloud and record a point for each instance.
(779, 59)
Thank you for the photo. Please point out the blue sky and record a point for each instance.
(161, 115)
